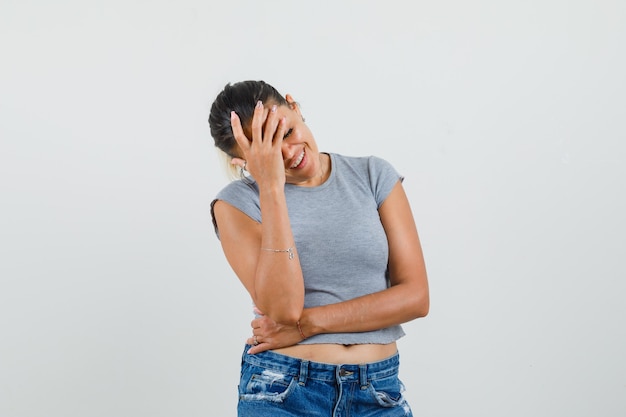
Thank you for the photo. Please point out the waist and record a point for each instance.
(302, 368)
(340, 354)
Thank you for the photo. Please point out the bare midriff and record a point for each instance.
(340, 354)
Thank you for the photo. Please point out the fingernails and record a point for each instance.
(274, 107)
(259, 104)
(233, 115)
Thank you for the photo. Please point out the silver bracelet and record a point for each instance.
(288, 250)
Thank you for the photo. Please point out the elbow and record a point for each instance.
(284, 305)
(282, 313)
(420, 305)
(422, 310)
(289, 316)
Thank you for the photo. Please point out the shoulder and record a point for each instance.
(371, 166)
(374, 172)
(241, 194)
(239, 190)
(367, 163)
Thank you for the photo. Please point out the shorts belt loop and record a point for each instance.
(304, 370)
(363, 376)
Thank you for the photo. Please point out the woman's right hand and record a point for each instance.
(262, 154)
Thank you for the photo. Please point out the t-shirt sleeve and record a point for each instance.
(383, 177)
(243, 196)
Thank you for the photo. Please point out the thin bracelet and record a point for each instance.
(288, 250)
(300, 330)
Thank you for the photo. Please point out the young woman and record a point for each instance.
(327, 248)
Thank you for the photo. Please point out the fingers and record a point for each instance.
(257, 325)
(271, 124)
(240, 137)
(266, 125)
(257, 341)
(261, 152)
(280, 132)
(261, 347)
(262, 124)
(258, 346)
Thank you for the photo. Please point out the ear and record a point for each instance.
(292, 104)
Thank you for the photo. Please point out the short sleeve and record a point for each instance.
(244, 196)
(383, 177)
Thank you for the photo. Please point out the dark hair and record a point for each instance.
(240, 97)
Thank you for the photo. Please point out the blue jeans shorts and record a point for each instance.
(279, 386)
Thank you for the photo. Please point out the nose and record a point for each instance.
(288, 151)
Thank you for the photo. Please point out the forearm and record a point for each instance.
(279, 285)
(398, 304)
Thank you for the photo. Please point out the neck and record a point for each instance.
(322, 174)
(324, 167)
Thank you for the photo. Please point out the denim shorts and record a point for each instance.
(279, 386)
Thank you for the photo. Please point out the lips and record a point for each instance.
(298, 160)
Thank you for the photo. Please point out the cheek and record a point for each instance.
(302, 134)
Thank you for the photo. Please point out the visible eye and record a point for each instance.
(289, 132)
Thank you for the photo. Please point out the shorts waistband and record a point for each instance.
(304, 369)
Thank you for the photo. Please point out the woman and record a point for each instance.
(327, 247)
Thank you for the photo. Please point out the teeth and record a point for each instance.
(297, 161)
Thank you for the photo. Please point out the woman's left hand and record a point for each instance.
(267, 334)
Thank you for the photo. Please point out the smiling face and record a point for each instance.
(303, 163)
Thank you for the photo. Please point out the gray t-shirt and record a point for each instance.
(341, 242)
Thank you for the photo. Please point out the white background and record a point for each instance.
(507, 119)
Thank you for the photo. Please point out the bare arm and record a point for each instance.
(405, 300)
(273, 279)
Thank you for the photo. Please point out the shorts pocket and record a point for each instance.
(387, 391)
(266, 385)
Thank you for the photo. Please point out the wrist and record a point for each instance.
(272, 200)
(271, 188)
(302, 335)
(306, 324)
